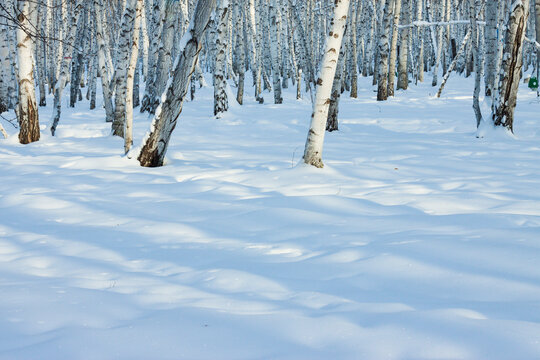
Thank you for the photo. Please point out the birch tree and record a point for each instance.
(478, 66)
(537, 23)
(505, 102)
(5, 67)
(155, 29)
(315, 140)
(122, 64)
(27, 111)
(156, 142)
(65, 55)
(403, 75)
(102, 58)
(221, 102)
(393, 48)
(128, 128)
(275, 22)
(382, 72)
(491, 40)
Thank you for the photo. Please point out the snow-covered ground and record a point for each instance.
(416, 241)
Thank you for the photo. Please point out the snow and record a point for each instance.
(416, 241)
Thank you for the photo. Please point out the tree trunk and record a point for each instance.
(128, 128)
(65, 57)
(382, 88)
(27, 112)
(333, 109)
(165, 58)
(275, 24)
(239, 64)
(155, 145)
(355, 13)
(478, 66)
(315, 139)
(453, 65)
(5, 68)
(153, 54)
(103, 48)
(393, 48)
(221, 102)
(403, 75)
(505, 103)
(537, 18)
(491, 39)
(122, 64)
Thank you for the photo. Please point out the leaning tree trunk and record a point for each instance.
(155, 145)
(505, 103)
(315, 139)
(453, 65)
(27, 112)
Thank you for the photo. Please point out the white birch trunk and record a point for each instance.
(104, 72)
(27, 111)
(155, 144)
(221, 103)
(315, 139)
(537, 23)
(382, 72)
(355, 13)
(5, 67)
(240, 65)
(492, 10)
(255, 37)
(128, 128)
(274, 47)
(439, 48)
(403, 74)
(478, 56)
(153, 55)
(65, 56)
(393, 48)
(505, 102)
(420, 34)
(454, 63)
(165, 58)
(122, 64)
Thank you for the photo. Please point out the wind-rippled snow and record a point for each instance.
(416, 241)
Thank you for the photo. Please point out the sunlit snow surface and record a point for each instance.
(416, 241)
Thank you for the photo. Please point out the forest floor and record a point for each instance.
(416, 241)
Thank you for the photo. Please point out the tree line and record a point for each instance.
(319, 46)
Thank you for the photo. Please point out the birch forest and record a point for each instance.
(319, 47)
(269, 179)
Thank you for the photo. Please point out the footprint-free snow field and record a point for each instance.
(416, 241)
